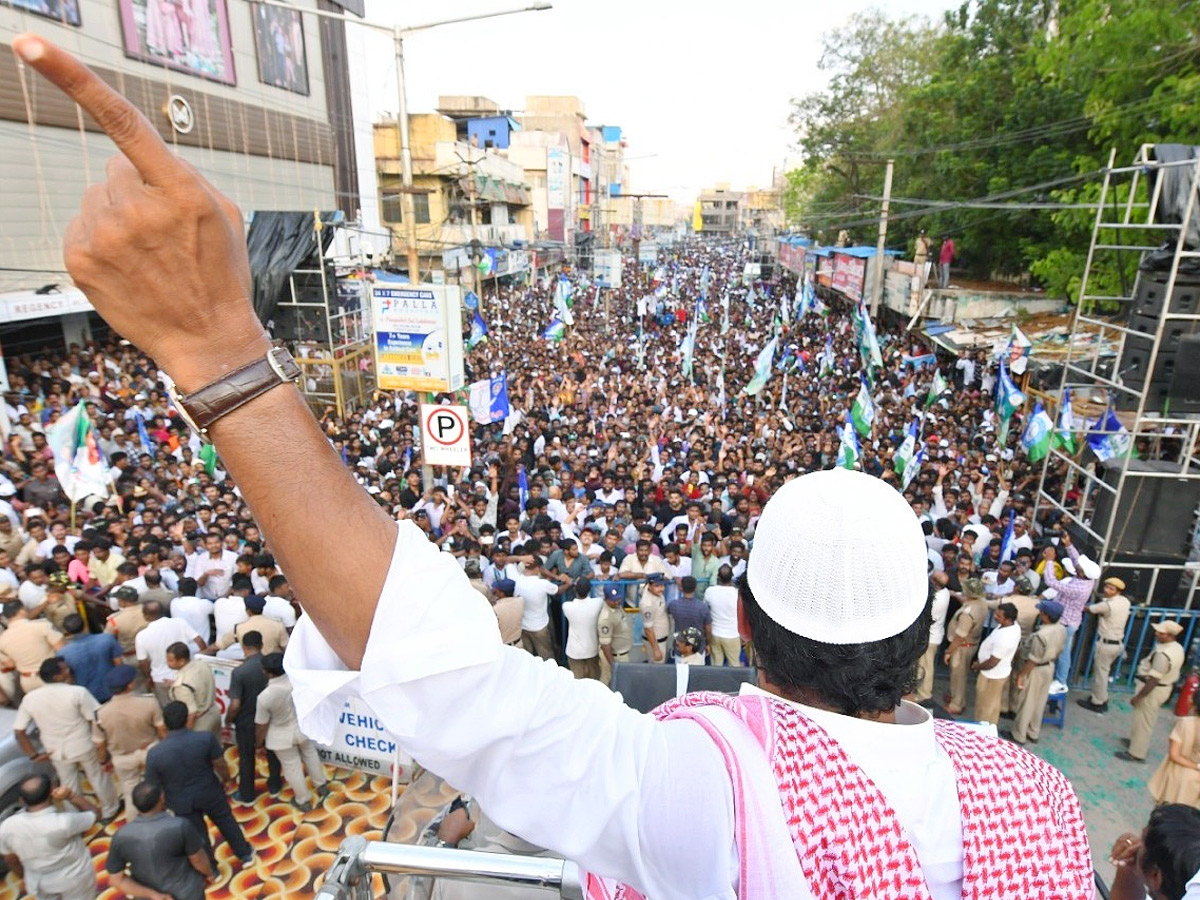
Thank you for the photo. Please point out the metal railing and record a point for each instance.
(1139, 640)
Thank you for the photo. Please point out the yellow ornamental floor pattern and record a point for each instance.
(292, 850)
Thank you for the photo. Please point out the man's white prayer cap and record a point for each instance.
(839, 557)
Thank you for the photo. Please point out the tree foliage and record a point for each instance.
(1002, 101)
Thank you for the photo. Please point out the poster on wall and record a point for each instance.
(279, 39)
(65, 11)
(418, 337)
(189, 35)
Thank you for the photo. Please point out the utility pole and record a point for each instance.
(877, 281)
(406, 168)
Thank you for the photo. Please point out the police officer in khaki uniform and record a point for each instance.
(656, 625)
(1112, 614)
(274, 635)
(25, 644)
(1033, 680)
(194, 688)
(127, 621)
(126, 727)
(277, 728)
(614, 632)
(965, 630)
(1156, 676)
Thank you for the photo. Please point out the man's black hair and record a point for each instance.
(146, 794)
(272, 664)
(1172, 845)
(180, 650)
(73, 624)
(276, 582)
(35, 790)
(849, 678)
(175, 715)
(49, 669)
(253, 640)
(188, 587)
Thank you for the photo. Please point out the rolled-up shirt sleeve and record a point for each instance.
(560, 762)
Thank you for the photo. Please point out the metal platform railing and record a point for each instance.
(358, 859)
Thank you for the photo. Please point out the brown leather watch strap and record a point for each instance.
(239, 387)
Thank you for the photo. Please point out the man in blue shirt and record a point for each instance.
(689, 612)
(90, 657)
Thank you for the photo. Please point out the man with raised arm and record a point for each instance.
(839, 621)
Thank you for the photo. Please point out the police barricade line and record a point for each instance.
(360, 743)
(1139, 639)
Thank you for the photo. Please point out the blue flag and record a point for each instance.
(471, 300)
(143, 437)
(500, 408)
(1007, 550)
(479, 331)
(522, 487)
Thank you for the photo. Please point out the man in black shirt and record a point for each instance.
(165, 855)
(246, 683)
(186, 764)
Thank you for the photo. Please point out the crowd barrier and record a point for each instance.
(1139, 639)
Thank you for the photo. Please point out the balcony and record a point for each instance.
(488, 235)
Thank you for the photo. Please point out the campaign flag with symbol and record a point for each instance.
(479, 331)
(762, 368)
(555, 330)
(936, 389)
(1064, 434)
(488, 399)
(911, 469)
(522, 488)
(848, 451)
(1109, 439)
(701, 314)
(827, 356)
(862, 411)
(563, 302)
(1009, 399)
(471, 300)
(1007, 550)
(1018, 349)
(78, 461)
(904, 453)
(1036, 439)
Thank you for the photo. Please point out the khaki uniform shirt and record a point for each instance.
(1047, 643)
(56, 613)
(276, 710)
(194, 687)
(508, 612)
(1027, 611)
(28, 555)
(274, 635)
(1112, 615)
(26, 643)
(127, 723)
(64, 714)
(12, 543)
(968, 621)
(1164, 662)
(654, 614)
(613, 630)
(125, 624)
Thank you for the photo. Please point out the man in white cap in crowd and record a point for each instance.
(1112, 614)
(823, 754)
(1073, 592)
(1156, 677)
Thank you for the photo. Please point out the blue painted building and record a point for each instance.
(491, 132)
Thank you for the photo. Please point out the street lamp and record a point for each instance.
(398, 32)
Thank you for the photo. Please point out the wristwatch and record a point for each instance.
(201, 408)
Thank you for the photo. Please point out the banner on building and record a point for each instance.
(418, 337)
(848, 275)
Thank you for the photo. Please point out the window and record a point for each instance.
(393, 207)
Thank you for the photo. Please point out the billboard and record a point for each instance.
(418, 337)
(606, 267)
(188, 35)
(65, 11)
(279, 40)
(647, 253)
(848, 275)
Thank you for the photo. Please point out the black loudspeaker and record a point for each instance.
(1170, 589)
(645, 686)
(1150, 297)
(1185, 381)
(1155, 515)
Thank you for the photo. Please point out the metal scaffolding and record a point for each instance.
(1129, 217)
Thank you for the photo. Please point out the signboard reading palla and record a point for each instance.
(418, 337)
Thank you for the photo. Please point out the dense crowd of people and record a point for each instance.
(606, 518)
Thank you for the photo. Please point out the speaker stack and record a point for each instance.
(1173, 388)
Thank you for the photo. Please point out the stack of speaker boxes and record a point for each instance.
(1173, 388)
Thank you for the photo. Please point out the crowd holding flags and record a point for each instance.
(1009, 399)
(862, 410)
(78, 461)
(563, 301)
(1064, 435)
(479, 331)
(762, 368)
(1036, 437)
(906, 451)
(848, 449)
(555, 331)
(936, 389)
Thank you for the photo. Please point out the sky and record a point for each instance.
(701, 89)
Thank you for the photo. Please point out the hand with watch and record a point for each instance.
(202, 407)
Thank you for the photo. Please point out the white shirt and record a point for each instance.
(535, 594)
(722, 599)
(228, 612)
(582, 640)
(215, 585)
(32, 595)
(505, 727)
(45, 547)
(279, 609)
(681, 569)
(152, 642)
(1002, 643)
(940, 606)
(197, 612)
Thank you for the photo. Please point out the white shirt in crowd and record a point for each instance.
(228, 612)
(152, 642)
(505, 727)
(32, 595)
(197, 612)
(722, 599)
(940, 606)
(1002, 643)
(681, 569)
(216, 585)
(535, 593)
(46, 547)
(582, 640)
(281, 610)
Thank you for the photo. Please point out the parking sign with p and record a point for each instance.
(445, 435)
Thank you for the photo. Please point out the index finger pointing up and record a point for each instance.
(119, 118)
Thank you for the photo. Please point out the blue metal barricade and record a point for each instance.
(1139, 640)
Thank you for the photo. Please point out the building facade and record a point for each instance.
(720, 210)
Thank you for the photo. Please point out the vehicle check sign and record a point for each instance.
(446, 435)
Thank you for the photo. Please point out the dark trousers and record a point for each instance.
(244, 736)
(218, 812)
